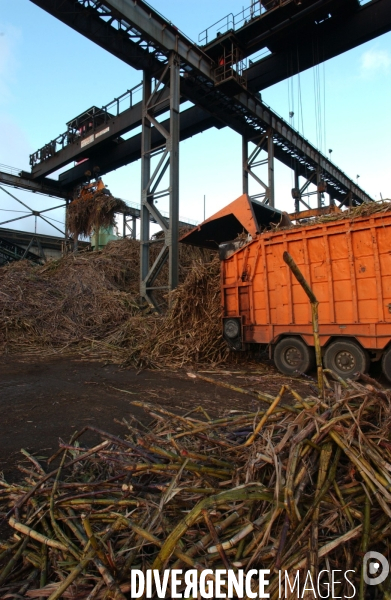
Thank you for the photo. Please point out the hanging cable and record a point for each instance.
(324, 107)
(291, 108)
(299, 98)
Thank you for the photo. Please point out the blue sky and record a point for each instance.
(49, 74)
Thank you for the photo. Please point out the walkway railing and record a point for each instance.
(233, 22)
(85, 124)
(10, 170)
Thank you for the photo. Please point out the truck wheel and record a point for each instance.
(292, 354)
(346, 358)
(386, 364)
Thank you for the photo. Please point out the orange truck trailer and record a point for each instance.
(347, 263)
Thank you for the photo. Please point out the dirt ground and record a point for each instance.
(44, 401)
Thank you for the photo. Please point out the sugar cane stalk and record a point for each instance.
(36, 536)
(365, 542)
(314, 310)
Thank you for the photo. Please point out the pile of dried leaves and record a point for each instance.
(366, 209)
(296, 487)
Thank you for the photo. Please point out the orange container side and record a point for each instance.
(347, 263)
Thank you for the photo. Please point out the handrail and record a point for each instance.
(234, 22)
(10, 170)
(74, 132)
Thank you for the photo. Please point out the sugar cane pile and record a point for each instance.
(303, 485)
(88, 304)
(363, 210)
(190, 332)
(90, 212)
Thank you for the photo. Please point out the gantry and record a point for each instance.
(222, 79)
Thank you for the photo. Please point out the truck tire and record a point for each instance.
(386, 363)
(345, 358)
(292, 355)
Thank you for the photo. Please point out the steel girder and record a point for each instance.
(244, 113)
(51, 188)
(247, 115)
(96, 24)
(296, 46)
(25, 182)
(132, 31)
(107, 135)
(193, 121)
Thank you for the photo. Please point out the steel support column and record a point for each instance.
(173, 145)
(296, 191)
(270, 156)
(244, 165)
(129, 230)
(167, 155)
(319, 181)
(145, 176)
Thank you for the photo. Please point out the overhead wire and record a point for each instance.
(319, 80)
(300, 119)
(324, 106)
(56, 220)
(16, 211)
(291, 108)
(319, 92)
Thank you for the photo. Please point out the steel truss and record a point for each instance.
(34, 213)
(317, 178)
(10, 251)
(251, 162)
(168, 159)
(141, 37)
(298, 193)
(129, 226)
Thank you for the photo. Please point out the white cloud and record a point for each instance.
(9, 38)
(374, 61)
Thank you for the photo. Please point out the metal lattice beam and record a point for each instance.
(145, 38)
(167, 156)
(42, 186)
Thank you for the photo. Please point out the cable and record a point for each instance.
(291, 108)
(51, 219)
(15, 211)
(299, 98)
(324, 106)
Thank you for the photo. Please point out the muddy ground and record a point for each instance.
(43, 401)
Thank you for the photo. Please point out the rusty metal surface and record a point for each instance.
(241, 215)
